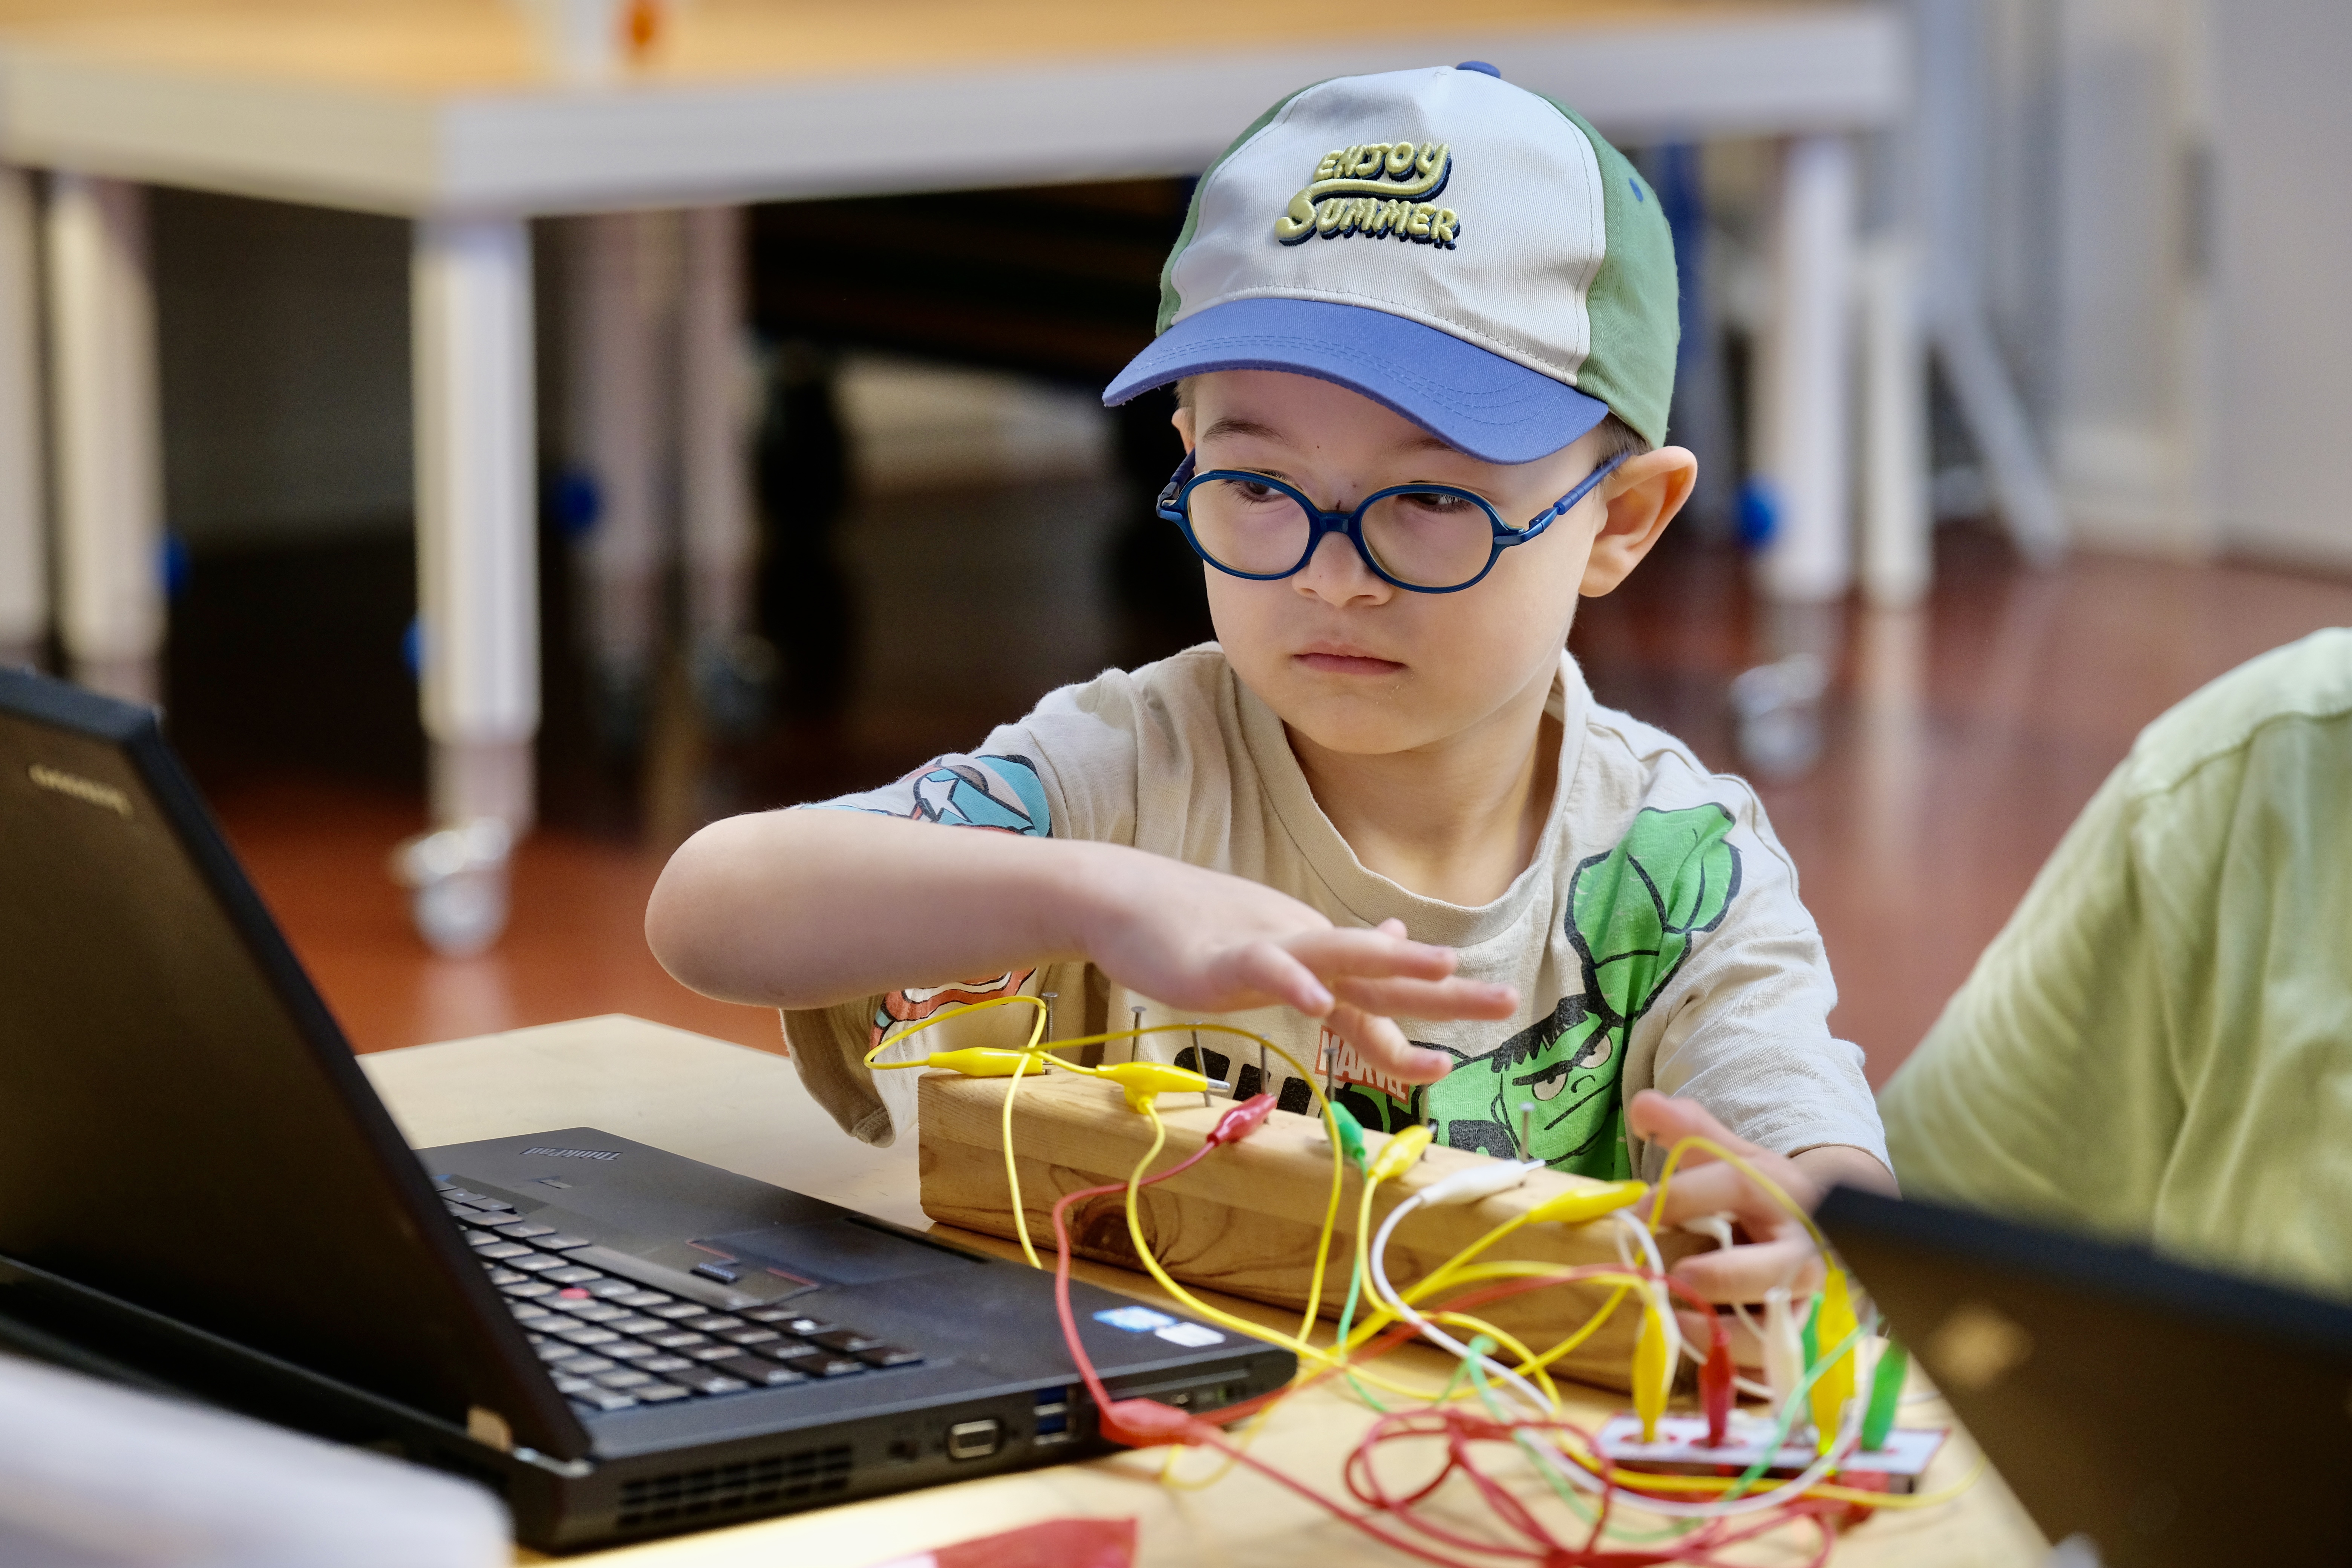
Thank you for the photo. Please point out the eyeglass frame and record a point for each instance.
(1175, 496)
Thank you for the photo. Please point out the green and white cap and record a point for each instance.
(1470, 254)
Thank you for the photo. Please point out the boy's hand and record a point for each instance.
(1777, 1250)
(1204, 941)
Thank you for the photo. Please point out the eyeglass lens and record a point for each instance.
(1427, 537)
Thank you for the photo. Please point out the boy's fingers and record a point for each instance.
(1371, 954)
(1383, 1044)
(1718, 1189)
(1745, 1273)
(1269, 969)
(1428, 998)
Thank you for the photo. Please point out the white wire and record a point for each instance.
(1849, 1431)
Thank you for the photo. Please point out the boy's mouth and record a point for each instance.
(1340, 659)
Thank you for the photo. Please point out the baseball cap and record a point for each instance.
(1468, 253)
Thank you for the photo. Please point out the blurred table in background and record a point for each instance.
(471, 117)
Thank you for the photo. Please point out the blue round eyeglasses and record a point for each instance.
(1425, 538)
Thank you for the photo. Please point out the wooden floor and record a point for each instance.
(1960, 741)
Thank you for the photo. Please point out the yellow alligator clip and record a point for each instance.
(1587, 1204)
(1657, 1348)
(1143, 1081)
(981, 1061)
(1397, 1155)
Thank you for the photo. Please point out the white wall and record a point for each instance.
(2282, 75)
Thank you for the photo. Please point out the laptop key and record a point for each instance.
(622, 1321)
(713, 1383)
(537, 1263)
(527, 1290)
(667, 1364)
(572, 1274)
(491, 1246)
(629, 1377)
(496, 1206)
(523, 1229)
(678, 1339)
(844, 1342)
(758, 1374)
(587, 1336)
(602, 1401)
(713, 1322)
(677, 1309)
(642, 1299)
(750, 1336)
(770, 1314)
(823, 1365)
(574, 1385)
(612, 1288)
(889, 1355)
(574, 1364)
(561, 1243)
(478, 1237)
(714, 1352)
(507, 1277)
(630, 1349)
(660, 1393)
(807, 1327)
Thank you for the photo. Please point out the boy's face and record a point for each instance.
(1356, 665)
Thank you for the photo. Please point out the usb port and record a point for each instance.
(1053, 1398)
(1053, 1427)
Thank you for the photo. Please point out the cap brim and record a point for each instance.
(1494, 408)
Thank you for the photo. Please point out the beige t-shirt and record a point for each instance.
(1655, 939)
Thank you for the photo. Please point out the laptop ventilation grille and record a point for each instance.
(735, 1489)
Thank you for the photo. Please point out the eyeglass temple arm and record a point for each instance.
(1560, 507)
(1175, 487)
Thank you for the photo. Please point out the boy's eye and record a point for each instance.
(1438, 505)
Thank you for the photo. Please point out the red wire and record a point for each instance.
(1140, 1423)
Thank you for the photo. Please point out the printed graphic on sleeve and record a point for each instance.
(999, 793)
(985, 791)
(1634, 913)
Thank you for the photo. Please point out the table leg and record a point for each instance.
(1801, 391)
(1897, 556)
(714, 446)
(107, 428)
(615, 384)
(24, 553)
(476, 556)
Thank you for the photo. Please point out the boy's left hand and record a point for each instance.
(1776, 1248)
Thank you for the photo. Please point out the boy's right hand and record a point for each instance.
(1204, 941)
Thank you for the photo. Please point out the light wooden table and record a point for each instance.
(744, 1110)
(446, 111)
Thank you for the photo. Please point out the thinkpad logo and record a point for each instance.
(573, 1153)
(89, 792)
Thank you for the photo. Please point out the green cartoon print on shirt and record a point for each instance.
(1632, 915)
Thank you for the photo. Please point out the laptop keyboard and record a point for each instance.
(612, 1343)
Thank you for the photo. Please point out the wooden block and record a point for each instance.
(1245, 1219)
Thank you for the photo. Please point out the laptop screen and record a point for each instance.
(182, 1124)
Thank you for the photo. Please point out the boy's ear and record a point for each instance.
(1641, 496)
(1183, 420)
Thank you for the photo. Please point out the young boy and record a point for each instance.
(1422, 329)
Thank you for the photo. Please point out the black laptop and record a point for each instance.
(199, 1190)
(2151, 1414)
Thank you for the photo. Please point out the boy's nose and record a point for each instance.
(1337, 575)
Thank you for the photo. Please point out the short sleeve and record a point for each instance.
(2044, 1090)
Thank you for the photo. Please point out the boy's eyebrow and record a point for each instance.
(1235, 424)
